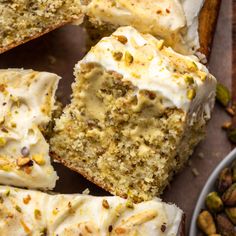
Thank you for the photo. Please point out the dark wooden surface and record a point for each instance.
(58, 51)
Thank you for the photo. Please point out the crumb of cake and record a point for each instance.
(22, 20)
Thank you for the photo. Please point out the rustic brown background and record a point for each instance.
(58, 51)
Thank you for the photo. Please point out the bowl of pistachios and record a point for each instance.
(215, 211)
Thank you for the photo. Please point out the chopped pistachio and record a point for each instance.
(188, 79)
(22, 161)
(191, 94)
(18, 208)
(117, 55)
(105, 204)
(27, 199)
(122, 39)
(160, 44)
(2, 142)
(192, 66)
(8, 192)
(37, 214)
(222, 94)
(128, 58)
(202, 75)
(38, 159)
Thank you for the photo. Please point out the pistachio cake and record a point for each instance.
(22, 20)
(175, 21)
(27, 101)
(138, 109)
(27, 212)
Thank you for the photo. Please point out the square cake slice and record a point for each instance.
(21, 21)
(137, 112)
(175, 21)
(36, 213)
(26, 105)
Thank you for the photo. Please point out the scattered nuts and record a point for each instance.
(227, 125)
(222, 94)
(230, 111)
(225, 179)
(225, 227)
(206, 223)
(214, 202)
(229, 197)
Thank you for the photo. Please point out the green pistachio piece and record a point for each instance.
(222, 94)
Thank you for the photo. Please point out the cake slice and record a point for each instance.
(25, 212)
(21, 21)
(26, 105)
(175, 21)
(138, 110)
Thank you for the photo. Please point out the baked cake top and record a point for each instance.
(176, 21)
(181, 81)
(27, 101)
(39, 213)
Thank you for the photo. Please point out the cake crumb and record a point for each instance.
(195, 172)
(86, 191)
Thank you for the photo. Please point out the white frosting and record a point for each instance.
(158, 69)
(26, 100)
(175, 21)
(33, 212)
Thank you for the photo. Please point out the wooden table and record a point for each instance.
(58, 51)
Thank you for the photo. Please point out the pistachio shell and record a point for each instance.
(231, 213)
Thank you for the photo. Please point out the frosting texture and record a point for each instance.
(34, 213)
(27, 101)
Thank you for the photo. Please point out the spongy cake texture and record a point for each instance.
(123, 136)
(21, 20)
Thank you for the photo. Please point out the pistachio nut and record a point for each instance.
(222, 94)
(206, 223)
(231, 213)
(229, 197)
(214, 202)
(225, 179)
(224, 226)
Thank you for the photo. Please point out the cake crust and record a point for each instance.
(207, 24)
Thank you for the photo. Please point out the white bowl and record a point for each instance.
(209, 187)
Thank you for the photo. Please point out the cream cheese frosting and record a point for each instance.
(181, 81)
(27, 212)
(26, 100)
(175, 21)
